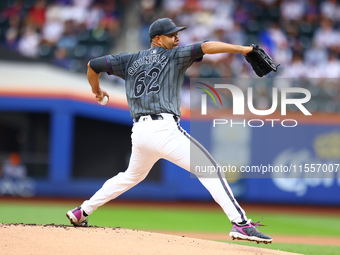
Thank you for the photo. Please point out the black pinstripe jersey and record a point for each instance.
(154, 77)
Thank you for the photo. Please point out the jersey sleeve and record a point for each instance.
(197, 52)
(117, 64)
(185, 56)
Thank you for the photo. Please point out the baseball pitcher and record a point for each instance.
(153, 80)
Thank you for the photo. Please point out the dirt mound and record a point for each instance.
(61, 239)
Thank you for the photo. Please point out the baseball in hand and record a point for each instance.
(104, 100)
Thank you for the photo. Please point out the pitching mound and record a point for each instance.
(61, 239)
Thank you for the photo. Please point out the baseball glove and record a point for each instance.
(260, 61)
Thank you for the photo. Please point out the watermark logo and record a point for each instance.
(288, 96)
(204, 97)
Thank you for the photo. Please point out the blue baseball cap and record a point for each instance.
(163, 26)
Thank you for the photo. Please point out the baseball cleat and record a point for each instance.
(249, 232)
(77, 217)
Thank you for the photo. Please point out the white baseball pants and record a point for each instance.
(156, 139)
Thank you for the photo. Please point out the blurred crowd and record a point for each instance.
(302, 36)
(64, 32)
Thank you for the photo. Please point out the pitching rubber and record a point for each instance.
(239, 236)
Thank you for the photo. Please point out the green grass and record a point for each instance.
(210, 221)
(186, 220)
(170, 219)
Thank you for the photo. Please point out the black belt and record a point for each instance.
(155, 117)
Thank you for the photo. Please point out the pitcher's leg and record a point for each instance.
(139, 167)
(188, 152)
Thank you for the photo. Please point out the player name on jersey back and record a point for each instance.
(145, 60)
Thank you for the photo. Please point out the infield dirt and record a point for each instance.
(61, 239)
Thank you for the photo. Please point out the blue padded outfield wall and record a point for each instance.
(305, 144)
(300, 147)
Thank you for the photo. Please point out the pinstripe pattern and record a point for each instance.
(214, 163)
(140, 69)
(108, 65)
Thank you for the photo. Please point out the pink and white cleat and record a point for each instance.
(77, 217)
(249, 232)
